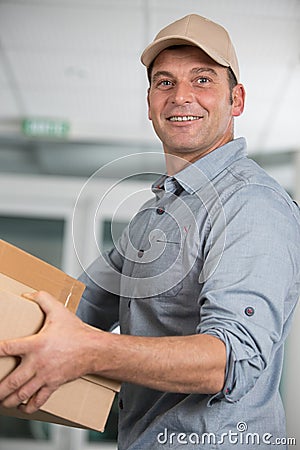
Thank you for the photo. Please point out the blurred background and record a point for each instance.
(73, 107)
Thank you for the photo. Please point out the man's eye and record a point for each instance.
(164, 83)
(202, 80)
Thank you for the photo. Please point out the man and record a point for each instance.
(204, 281)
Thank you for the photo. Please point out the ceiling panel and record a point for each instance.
(67, 27)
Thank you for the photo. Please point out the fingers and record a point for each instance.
(37, 400)
(29, 397)
(17, 387)
(24, 386)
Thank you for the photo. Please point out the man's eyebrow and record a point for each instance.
(162, 73)
(198, 70)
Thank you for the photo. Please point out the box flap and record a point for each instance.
(105, 382)
(41, 416)
(39, 275)
(14, 286)
(76, 404)
(82, 403)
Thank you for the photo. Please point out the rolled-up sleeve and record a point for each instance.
(99, 305)
(250, 284)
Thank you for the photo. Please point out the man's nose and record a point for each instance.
(182, 94)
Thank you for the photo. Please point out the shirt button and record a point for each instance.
(160, 211)
(121, 406)
(249, 311)
(140, 253)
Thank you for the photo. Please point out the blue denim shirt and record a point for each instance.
(216, 251)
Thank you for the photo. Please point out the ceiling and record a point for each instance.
(78, 60)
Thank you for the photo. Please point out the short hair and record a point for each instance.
(231, 78)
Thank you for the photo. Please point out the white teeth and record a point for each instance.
(183, 118)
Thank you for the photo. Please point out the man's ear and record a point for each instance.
(148, 102)
(238, 100)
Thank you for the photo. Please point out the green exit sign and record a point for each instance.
(46, 128)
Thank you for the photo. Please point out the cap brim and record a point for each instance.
(156, 47)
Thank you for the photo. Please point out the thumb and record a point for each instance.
(45, 300)
(15, 347)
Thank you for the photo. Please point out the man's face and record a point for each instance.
(190, 103)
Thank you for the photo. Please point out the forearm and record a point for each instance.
(184, 364)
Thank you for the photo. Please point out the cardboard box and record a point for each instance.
(85, 402)
(39, 275)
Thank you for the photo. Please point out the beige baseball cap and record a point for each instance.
(195, 30)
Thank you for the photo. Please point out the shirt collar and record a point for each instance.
(196, 175)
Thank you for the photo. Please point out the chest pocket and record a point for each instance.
(168, 268)
(156, 268)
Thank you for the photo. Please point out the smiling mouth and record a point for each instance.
(183, 118)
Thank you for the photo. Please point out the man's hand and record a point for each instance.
(55, 355)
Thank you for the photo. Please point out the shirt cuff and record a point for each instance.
(244, 365)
